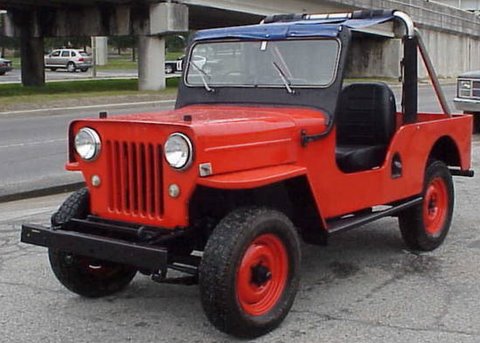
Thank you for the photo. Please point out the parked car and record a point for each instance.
(70, 59)
(5, 66)
(174, 66)
(264, 149)
(468, 96)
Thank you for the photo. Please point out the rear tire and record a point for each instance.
(249, 274)
(80, 274)
(71, 67)
(84, 70)
(425, 226)
(476, 122)
(53, 69)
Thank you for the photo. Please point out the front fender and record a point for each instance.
(254, 178)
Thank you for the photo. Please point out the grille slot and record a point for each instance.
(135, 178)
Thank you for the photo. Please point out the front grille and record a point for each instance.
(469, 89)
(135, 178)
(476, 89)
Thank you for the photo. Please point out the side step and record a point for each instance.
(344, 224)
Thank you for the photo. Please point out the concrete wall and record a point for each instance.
(451, 54)
(374, 57)
(468, 5)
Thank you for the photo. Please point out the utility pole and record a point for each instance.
(94, 57)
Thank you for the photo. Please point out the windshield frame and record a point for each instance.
(272, 86)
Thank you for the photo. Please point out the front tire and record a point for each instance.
(83, 275)
(249, 274)
(168, 69)
(425, 226)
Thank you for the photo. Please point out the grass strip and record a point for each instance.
(52, 91)
(75, 87)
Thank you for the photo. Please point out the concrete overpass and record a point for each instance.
(451, 35)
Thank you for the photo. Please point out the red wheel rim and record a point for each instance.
(262, 275)
(99, 270)
(435, 206)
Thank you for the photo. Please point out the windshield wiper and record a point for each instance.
(284, 78)
(203, 76)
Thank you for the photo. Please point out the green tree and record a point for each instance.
(122, 42)
(67, 42)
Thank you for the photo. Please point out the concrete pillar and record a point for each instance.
(31, 54)
(101, 50)
(151, 63)
(165, 18)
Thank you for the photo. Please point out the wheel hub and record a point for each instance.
(435, 207)
(260, 275)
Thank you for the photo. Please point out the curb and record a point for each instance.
(63, 109)
(35, 193)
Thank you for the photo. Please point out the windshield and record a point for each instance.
(286, 63)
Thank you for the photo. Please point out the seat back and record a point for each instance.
(365, 114)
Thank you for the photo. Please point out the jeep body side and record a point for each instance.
(265, 145)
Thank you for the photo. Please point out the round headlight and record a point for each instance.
(87, 144)
(178, 151)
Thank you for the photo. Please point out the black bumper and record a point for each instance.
(142, 256)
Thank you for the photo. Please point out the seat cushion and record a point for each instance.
(353, 158)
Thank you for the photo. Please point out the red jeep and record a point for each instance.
(265, 145)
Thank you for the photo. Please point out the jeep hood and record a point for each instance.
(197, 116)
(233, 138)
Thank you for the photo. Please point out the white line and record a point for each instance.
(89, 107)
(32, 143)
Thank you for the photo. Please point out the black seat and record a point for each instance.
(365, 120)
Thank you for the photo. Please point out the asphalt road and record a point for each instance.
(33, 146)
(363, 287)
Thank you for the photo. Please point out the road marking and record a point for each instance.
(32, 143)
(159, 102)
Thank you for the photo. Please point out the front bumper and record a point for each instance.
(139, 255)
(467, 105)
